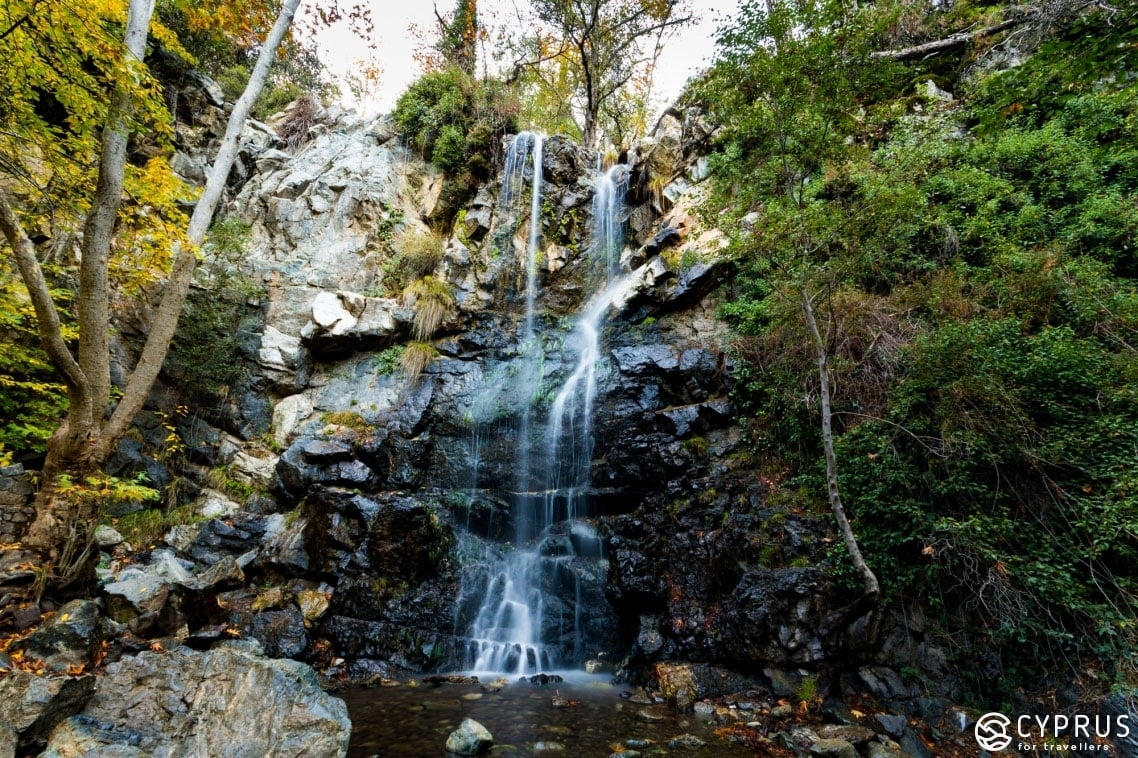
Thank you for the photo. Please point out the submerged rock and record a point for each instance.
(471, 738)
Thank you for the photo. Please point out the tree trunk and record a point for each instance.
(871, 589)
(63, 526)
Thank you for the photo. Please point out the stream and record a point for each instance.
(414, 720)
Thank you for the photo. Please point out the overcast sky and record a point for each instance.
(685, 54)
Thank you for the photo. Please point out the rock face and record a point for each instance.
(228, 701)
(31, 706)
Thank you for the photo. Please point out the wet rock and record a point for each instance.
(31, 706)
(281, 633)
(312, 604)
(547, 746)
(885, 748)
(69, 638)
(8, 741)
(471, 738)
(783, 711)
(855, 735)
(82, 736)
(825, 748)
(912, 745)
(892, 724)
(650, 715)
(156, 702)
(688, 741)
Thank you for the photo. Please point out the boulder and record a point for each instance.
(31, 706)
(228, 701)
(69, 638)
(471, 738)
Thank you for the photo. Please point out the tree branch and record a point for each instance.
(961, 38)
(47, 316)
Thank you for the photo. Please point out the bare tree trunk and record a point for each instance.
(871, 588)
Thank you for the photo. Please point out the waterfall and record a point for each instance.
(529, 616)
(608, 206)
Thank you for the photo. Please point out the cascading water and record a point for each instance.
(524, 624)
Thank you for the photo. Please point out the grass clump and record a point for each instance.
(416, 357)
(347, 419)
(432, 301)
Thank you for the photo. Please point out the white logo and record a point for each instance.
(992, 732)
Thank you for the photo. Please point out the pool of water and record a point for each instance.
(525, 720)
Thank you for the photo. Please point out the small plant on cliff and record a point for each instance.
(416, 357)
(417, 254)
(347, 419)
(432, 301)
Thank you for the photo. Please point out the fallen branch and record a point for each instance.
(960, 38)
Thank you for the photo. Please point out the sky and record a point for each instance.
(342, 52)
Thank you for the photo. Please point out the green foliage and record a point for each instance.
(146, 527)
(416, 254)
(206, 355)
(389, 360)
(453, 119)
(347, 419)
(32, 401)
(975, 276)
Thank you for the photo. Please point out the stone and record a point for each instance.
(471, 738)
(83, 736)
(547, 746)
(688, 741)
(8, 741)
(833, 749)
(106, 536)
(256, 470)
(783, 711)
(312, 604)
(281, 633)
(158, 702)
(69, 638)
(287, 415)
(650, 716)
(892, 724)
(31, 706)
(853, 734)
(213, 504)
(329, 313)
(884, 748)
(912, 745)
(280, 351)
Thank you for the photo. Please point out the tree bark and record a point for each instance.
(94, 287)
(871, 588)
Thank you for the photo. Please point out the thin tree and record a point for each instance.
(608, 43)
(92, 430)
